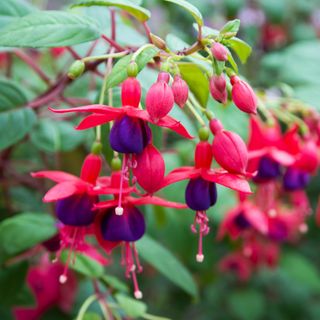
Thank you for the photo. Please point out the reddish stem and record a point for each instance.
(113, 43)
(73, 53)
(113, 24)
(148, 31)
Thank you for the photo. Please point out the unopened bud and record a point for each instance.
(76, 69)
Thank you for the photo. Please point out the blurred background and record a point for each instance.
(284, 35)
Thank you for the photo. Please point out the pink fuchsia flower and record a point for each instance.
(219, 51)
(201, 191)
(229, 150)
(130, 133)
(43, 281)
(180, 91)
(243, 95)
(218, 88)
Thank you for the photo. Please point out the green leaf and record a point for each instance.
(12, 9)
(190, 8)
(115, 283)
(24, 231)
(53, 136)
(91, 316)
(15, 123)
(119, 71)
(230, 29)
(247, 304)
(12, 281)
(208, 32)
(241, 48)
(138, 12)
(84, 265)
(301, 270)
(130, 306)
(233, 63)
(45, 29)
(161, 259)
(197, 81)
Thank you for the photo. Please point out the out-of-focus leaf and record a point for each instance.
(190, 8)
(241, 48)
(177, 113)
(247, 304)
(12, 9)
(91, 316)
(197, 81)
(208, 32)
(161, 259)
(119, 71)
(15, 122)
(133, 308)
(301, 270)
(53, 136)
(49, 29)
(231, 28)
(84, 265)
(138, 12)
(115, 283)
(24, 231)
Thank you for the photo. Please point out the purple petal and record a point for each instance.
(295, 179)
(76, 210)
(241, 221)
(130, 226)
(278, 230)
(200, 194)
(268, 169)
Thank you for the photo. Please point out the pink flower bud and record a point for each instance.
(230, 151)
(203, 155)
(215, 126)
(163, 76)
(150, 169)
(219, 51)
(180, 91)
(131, 92)
(159, 100)
(243, 95)
(91, 168)
(218, 88)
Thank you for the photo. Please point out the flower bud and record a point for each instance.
(215, 126)
(230, 151)
(218, 88)
(163, 76)
(150, 169)
(158, 42)
(180, 91)
(131, 92)
(219, 51)
(91, 168)
(243, 95)
(132, 69)
(204, 133)
(76, 69)
(203, 155)
(159, 100)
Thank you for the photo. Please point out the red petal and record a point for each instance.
(156, 201)
(91, 168)
(63, 190)
(96, 120)
(106, 204)
(179, 175)
(174, 125)
(228, 180)
(282, 157)
(95, 108)
(57, 176)
(257, 218)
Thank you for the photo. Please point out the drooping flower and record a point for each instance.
(180, 91)
(218, 88)
(219, 51)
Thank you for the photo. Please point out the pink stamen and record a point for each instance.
(201, 221)
(136, 257)
(119, 208)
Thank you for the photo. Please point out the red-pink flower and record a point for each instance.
(219, 51)
(218, 88)
(180, 91)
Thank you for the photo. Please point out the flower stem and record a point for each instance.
(85, 306)
(195, 113)
(135, 55)
(105, 56)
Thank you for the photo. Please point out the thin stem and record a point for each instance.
(31, 63)
(73, 53)
(113, 43)
(85, 306)
(105, 56)
(113, 24)
(195, 113)
(148, 31)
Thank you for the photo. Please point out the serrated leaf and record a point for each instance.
(161, 259)
(12, 9)
(119, 71)
(24, 231)
(190, 8)
(132, 307)
(52, 136)
(15, 122)
(231, 28)
(135, 10)
(241, 48)
(46, 29)
(84, 265)
(197, 81)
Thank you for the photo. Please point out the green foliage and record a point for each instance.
(130, 306)
(47, 29)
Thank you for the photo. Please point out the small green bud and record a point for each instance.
(76, 69)
(116, 164)
(132, 69)
(204, 133)
(96, 148)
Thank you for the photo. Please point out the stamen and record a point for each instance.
(201, 221)
(119, 208)
(136, 257)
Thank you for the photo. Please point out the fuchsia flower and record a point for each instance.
(218, 88)
(130, 133)
(180, 91)
(43, 281)
(219, 51)
(201, 191)
(243, 95)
